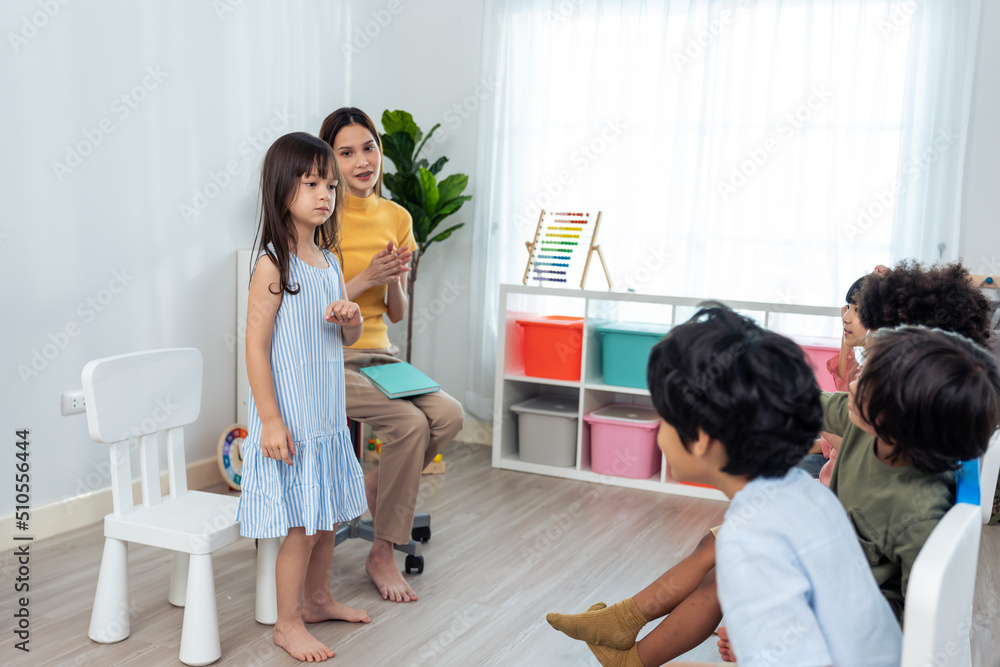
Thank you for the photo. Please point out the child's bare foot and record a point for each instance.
(725, 648)
(613, 657)
(328, 609)
(381, 567)
(299, 642)
(616, 626)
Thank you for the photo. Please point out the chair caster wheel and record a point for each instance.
(421, 534)
(414, 564)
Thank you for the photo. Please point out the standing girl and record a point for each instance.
(300, 476)
(376, 247)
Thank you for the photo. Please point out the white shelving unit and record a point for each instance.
(513, 386)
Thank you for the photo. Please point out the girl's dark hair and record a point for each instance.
(941, 296)
(343, 117)
(932, 395)
(749, 388)
(852, 291)
(288, 159)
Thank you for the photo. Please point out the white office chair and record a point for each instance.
(937, 621)
(135, 396)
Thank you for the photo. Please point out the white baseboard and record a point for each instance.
(71, 513)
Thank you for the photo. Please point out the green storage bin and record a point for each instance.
(625, 348)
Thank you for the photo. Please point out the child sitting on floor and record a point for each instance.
(925, 401)
(740, 406)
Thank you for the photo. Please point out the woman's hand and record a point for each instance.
(388, 264)
(276, 441)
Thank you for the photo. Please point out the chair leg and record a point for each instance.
(200, 632)
(267, 597)
(109, 621)
(178, 579)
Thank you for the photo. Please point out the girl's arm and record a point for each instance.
(845, 350)
(348, 315)
(262, 308)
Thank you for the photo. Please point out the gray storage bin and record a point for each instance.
(546, 430)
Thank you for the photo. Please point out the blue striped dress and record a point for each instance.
(325, 484)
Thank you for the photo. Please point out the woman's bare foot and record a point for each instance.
(299, 642)
(381, 567)
(325, 608)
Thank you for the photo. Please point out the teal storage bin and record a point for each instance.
(625, 348)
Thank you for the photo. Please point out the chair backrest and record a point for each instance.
(989, 471)
(134, 396)
(937, 620)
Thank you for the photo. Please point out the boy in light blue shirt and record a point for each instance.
(739, 407)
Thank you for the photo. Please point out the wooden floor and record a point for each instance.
(507, 547)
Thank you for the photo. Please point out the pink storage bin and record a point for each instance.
(623, 441)
(818, 352)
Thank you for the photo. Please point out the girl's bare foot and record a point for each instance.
(381, 567)
(725, 648)
(299, 642)
(325, 608)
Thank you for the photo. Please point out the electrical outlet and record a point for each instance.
(72, 402)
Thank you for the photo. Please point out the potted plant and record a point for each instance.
(415, 187)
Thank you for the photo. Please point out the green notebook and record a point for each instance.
(399, 380)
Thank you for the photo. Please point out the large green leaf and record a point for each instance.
(421, 224)
(436, 167)
(429, 194)
(429, 134)
(403, 188)
(399, 148)
(401, 121)
(449, 207)
(452, 186)
(440, 237)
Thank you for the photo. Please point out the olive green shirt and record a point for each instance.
(893, 508)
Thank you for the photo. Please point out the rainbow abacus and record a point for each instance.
(562, 247)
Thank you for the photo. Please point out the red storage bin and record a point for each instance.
(553, 347)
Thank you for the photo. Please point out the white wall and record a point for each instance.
(223, 76)
(426, 61)
(111, 229)
(980, 234)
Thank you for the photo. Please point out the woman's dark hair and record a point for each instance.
(749, 388)
(343, 117)
(941, 296)
(852, 292)
(932, 395)
(288, 159)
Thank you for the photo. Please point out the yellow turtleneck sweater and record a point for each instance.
(368, 225)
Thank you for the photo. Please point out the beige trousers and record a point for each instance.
(412, 430)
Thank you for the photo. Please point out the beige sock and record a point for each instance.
(612, 657)
(616, 626)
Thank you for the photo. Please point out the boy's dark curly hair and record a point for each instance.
(931, 394)
(749, 388)
(941, 296)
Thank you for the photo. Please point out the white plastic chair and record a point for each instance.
(937, 621)
(135, 396)
(989, 470)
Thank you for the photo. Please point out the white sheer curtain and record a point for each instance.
(739, 150)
